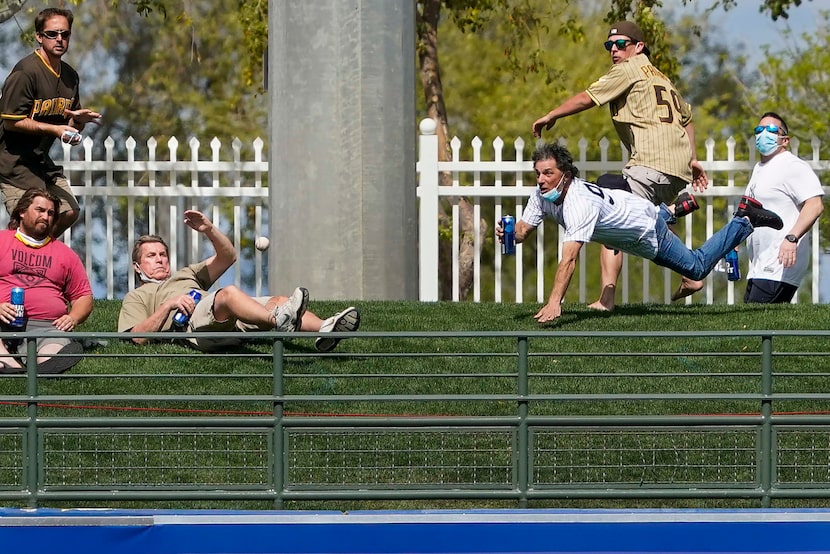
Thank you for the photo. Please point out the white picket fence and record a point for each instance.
(128, 189)
(480, 180)
(123, 196)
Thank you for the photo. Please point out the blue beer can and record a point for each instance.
(181, 318)
(733, 269)
(508, 245)
(16, 300)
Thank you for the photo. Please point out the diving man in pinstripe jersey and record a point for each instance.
(655, 125)
(619, 220)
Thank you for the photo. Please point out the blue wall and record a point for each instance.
(436, 532)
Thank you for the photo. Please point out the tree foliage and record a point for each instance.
(793, 81)
(178, 75)
(195, 69)
(644, 13)
(495, 97)
(167, 73)
(170, 72)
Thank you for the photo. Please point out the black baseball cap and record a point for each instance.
(630, 30)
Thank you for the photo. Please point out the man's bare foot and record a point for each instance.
(687, 288)
(598, 305)
(606, 299)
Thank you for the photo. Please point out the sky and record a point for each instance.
(745, 26)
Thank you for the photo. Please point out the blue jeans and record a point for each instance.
(696, 264)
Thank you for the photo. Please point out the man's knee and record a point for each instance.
(227, 294)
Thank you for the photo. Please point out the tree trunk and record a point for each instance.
(427, 29)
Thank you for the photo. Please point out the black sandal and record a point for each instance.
(62, 360)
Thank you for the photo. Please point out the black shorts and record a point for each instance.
(613, 181)
(764, 291)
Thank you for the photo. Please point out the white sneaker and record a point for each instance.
(289, 316)
(347, 320)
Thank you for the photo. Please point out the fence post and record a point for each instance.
(523, 475)
(766, 425)
(279, 455)
(33, 454)
(428, 211)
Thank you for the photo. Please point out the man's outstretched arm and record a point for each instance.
(225, 253)
(564, 272)
(575, 104)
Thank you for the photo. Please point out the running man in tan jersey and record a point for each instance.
(655, 125)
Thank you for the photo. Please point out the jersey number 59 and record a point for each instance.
(661, 93)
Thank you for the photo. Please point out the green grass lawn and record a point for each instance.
(710, 360)
(371, 365)
(453, 359)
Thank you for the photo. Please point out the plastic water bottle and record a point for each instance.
(733, 270)
(181, 318)
(508, 245)
(16, 300)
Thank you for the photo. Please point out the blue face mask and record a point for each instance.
(552, 195)
(555, 193)
(766, 142)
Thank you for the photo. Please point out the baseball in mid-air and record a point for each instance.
(262, 243)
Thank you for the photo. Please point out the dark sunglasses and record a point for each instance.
(620, 43)
(52, 35)
(771, 128)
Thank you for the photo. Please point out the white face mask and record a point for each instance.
(555, 193)
(144, 278)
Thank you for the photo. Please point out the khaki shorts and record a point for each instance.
(39, 325)
(654, 186)
(204, 320)
(61, 189)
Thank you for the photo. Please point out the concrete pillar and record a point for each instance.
(341, 83)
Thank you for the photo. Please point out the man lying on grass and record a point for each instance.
(151, 307)
(620, 220)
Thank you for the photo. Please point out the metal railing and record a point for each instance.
(401, 417)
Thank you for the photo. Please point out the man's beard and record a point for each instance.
(39, 232)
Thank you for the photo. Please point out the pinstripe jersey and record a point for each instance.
(34, 90)
(649, 115)
(615, 218)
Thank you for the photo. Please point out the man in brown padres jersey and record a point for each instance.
(655, 125)
(40, 103)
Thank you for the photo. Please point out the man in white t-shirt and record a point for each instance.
(779, 259)
(620, 220)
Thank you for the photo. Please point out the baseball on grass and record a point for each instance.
(262, 243)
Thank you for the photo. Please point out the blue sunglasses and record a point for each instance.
(771, 128)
